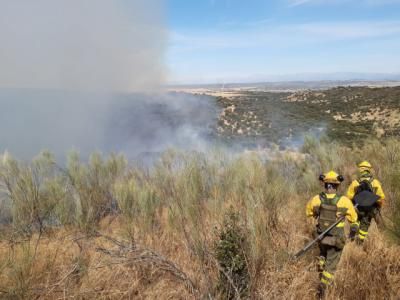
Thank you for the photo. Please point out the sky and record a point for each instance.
(217, 41)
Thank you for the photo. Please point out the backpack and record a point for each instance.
(365, 195)
(365, 184)
(327, 211)
(327, 216)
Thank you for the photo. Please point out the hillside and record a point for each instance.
(196, 226)
(212, 224)
(345, 114)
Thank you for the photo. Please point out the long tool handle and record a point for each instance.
(319, 238)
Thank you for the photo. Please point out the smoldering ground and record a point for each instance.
(136, 124)
(150, 124)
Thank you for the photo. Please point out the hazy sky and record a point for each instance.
(138, 44)
(236, 40)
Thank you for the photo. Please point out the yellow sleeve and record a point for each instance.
(351, 214)
(314, 202)
(351, 191)
(379, 191)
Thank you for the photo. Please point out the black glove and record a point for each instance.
(353, 232)
(316, 211)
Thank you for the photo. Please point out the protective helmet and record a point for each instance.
(364, 167)
(331, 177)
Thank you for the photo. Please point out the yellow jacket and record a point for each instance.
(344, 204)
(376, 185)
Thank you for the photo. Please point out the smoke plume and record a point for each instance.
(77, 74)
(82, 44)
(136, 124)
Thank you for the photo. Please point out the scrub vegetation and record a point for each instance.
(346, 114)
(194, 225)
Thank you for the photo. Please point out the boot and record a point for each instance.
(321, 291)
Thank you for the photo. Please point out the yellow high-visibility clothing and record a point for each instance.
(376, 185)
(344, 205)
(331, 247)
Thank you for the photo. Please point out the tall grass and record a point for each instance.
(92, 187)
(173, 214)
(34, 191)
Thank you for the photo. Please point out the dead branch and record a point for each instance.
(126, 254)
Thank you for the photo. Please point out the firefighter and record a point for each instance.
(327, 207)
(366, 184)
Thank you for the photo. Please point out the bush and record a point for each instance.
(92, 187)
(138, 203)
(230, 252)
(33, 189)
(255, 202)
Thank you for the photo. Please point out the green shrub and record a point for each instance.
(137, 202)
(92, 187)
(34, 190)
(230, 252)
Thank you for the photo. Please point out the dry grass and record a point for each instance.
(159, 240)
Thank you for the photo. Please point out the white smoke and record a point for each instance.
(136, 124)
(82, 44)
(67, 72)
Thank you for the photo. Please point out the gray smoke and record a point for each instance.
(82, 44)
(147, 125)
(136, 124)
(77, 74)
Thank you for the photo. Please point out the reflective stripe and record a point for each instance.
(361, 237)
(321, 263)
(327, 275)
(326, 282)
(340, 225)
(362, 232)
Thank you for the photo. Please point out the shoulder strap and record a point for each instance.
(336, 199)
(324, 199)
(370, 179)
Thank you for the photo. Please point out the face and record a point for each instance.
(331, 188)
